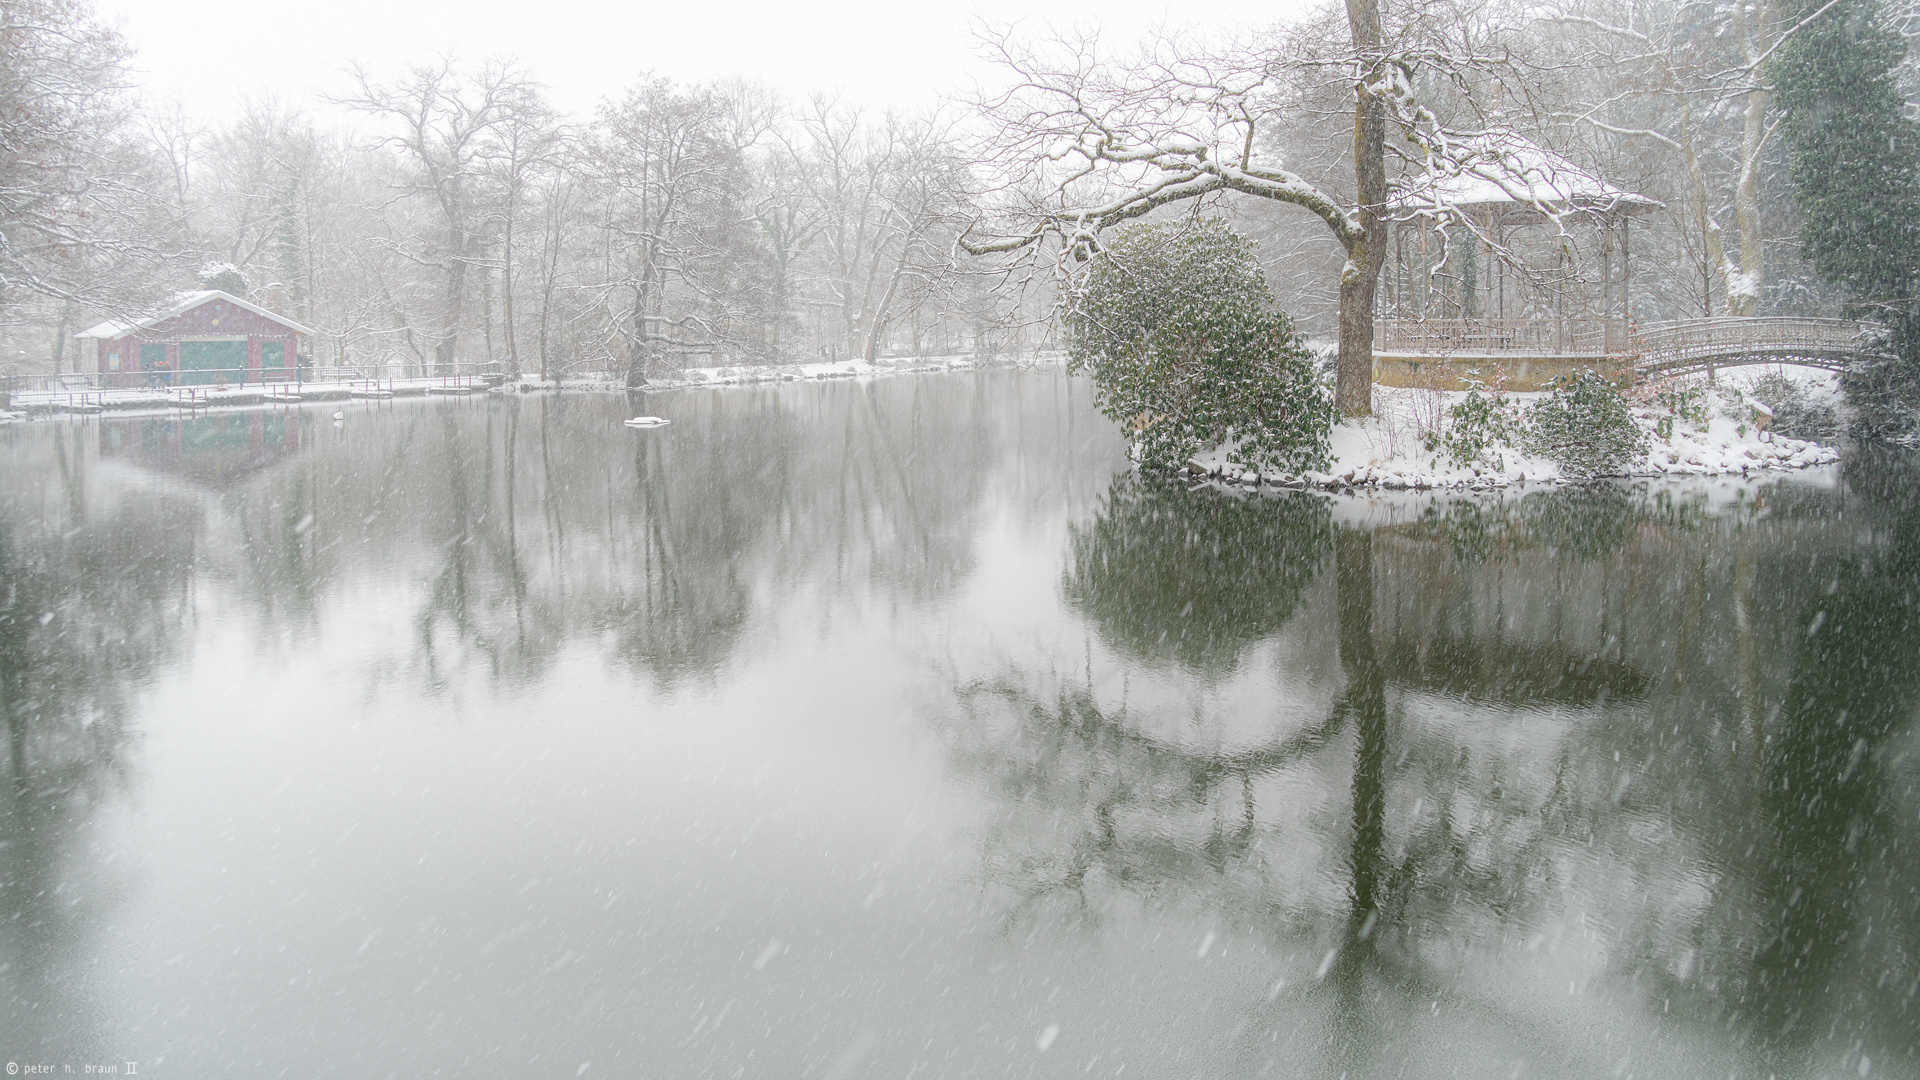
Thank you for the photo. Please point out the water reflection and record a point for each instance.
(1532, 761)
(1838, 933)
(217, 449)
(491, 734)
(94, 599)
(1190, 576)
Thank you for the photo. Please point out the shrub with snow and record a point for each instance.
(1175, 323)
(1585, 426)
(1478, 426)
(1796, 413)
(226, 277)
(1680, 405)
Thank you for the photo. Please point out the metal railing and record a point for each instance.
(197, 388)
(1701, 342)
(462, 373)
(1679, 344)
(1496, 337)
(162, 379)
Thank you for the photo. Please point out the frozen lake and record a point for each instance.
(893, 729)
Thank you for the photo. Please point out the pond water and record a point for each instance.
(894, 729)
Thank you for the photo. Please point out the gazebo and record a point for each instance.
(1489, 271)
(204, 337)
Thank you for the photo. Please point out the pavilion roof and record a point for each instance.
(180, 305)
(1503, 171)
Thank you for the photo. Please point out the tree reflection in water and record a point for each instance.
(1838, 940)
(94, 597)
(1549, 768)
(1192, 577)
(1592, 777)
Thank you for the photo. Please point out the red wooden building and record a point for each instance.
(206, 337)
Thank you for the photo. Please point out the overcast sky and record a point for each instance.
(207, 53)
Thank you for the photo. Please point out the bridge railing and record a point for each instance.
(1703, 340)
(1517, 337)
(1658, 346)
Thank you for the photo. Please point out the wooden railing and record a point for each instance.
(1663, 346)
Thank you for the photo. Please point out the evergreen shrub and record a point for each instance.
(1187, 351)
(1688, 403)
(1585, 425)
(1478, 425)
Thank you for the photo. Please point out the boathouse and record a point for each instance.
(199, 338)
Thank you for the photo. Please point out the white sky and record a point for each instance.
(208, 53)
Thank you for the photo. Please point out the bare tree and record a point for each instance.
(887, 197)
(528, 143)
(77, 223)
(846, 176)
(445, 122)
(789, 224)
(660, 164)
(923, 201)
(1084, 143)
(1681, 74)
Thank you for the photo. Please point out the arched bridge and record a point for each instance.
(1674, 348)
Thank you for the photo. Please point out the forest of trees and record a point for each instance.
(449, 213)
(457, 216)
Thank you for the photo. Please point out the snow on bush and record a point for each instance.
(1479, 426)
(1176, 326)
(226, 277)
(1484, 436)
(1585, 426)
(1796, 411)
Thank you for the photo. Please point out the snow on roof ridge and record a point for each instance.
(180, 304)
(1502, 166)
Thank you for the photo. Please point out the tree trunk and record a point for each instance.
(1360, 277)
(637, 336)
(60, 337)
(446, 350)
(1353, 387)
(1746, 206)
(877, 323)
(506, 287)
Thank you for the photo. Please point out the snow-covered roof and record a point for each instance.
(180, 305)
(1504, 170)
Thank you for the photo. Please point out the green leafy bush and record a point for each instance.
(1681, 403)
(1585, 426)
(1478, 425)
(1186, 350)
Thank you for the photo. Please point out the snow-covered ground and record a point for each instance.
(689, 378)
(54, 403)
(151, 399)
(1392, 448)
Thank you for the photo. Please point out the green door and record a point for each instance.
(213, 361)
(153, 361)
